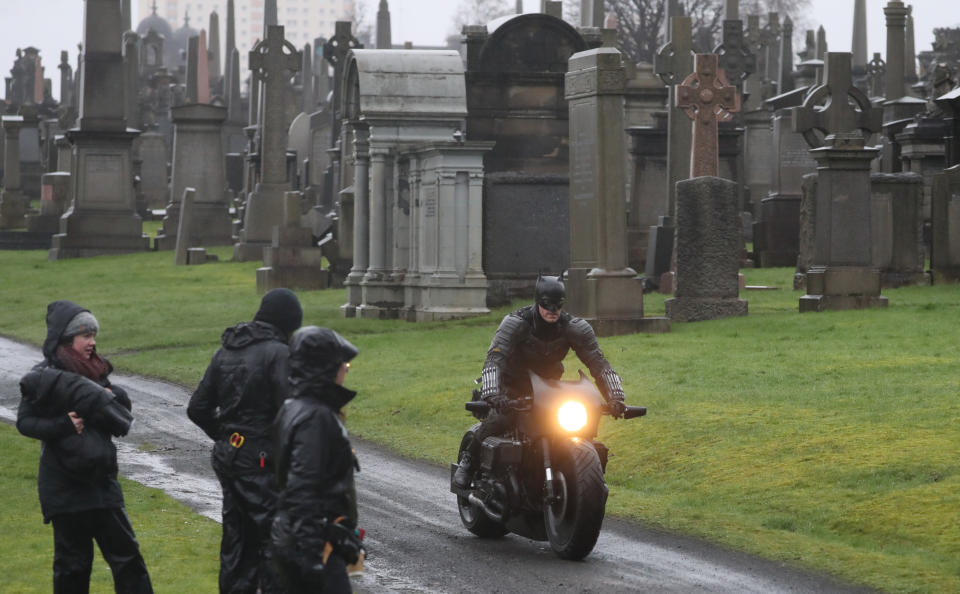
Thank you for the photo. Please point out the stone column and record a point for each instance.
(896, 14)
(361, 220)
(859, 44)
(672, 64)
(378, 216)
(601, 287)
(13, 205)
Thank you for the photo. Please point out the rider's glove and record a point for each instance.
(616, 407)
(499, 403)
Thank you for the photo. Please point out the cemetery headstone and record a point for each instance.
(708, 213)
(843, 275)
(103, 218)
(601, 287)
(292, 260)
(13, 204)
(268, 61)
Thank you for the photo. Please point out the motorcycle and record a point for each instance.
(544, 480)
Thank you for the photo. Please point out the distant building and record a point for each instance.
(304, 19)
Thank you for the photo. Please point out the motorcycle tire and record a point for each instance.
(475, 519)
(573, 522)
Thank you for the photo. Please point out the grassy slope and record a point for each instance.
(827, 440)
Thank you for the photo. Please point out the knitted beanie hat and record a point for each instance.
(281, 308)
(81, 323)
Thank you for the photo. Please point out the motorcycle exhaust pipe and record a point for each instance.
(498, 518)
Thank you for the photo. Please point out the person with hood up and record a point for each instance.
(68, 402)
(314, 532)
(235, 404)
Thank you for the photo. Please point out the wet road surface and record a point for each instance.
(414, 534)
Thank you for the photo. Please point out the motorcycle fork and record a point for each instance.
(549, 487)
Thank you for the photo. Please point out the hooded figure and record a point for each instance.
(235, 404)
(315, 464)
(535, 338)
(68, 402)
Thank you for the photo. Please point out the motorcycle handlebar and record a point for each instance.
(481, 406)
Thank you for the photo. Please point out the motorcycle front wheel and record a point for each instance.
(573, 521)
(473, 517)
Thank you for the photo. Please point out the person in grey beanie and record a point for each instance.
(68, 402)
(235, 404)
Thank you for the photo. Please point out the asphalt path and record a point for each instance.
(416, 541)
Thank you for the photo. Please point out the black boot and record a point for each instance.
(464, 474)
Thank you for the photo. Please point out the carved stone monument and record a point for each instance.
(601, 287)
(103, 217)
(843, 274)
(270, 61)
(708, 228)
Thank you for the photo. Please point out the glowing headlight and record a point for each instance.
(572, 416)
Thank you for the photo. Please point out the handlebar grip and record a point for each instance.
(632, 412)
(477, 406)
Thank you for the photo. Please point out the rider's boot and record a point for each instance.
(464, 473)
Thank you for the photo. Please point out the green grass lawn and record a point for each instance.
(825, 440)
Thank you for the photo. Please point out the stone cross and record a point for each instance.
(335, 52)
(876, 69)
(269, 60)
(736, 59)
(836, 116)
(708, 99)
(672, 64)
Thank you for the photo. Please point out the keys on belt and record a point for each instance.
(236, 440)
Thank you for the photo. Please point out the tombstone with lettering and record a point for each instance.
(601, 287)
(895, 214)
(103, 217)
(515, 98)
(270, 60)
(708, 221)
(843, 274)
(417, 241)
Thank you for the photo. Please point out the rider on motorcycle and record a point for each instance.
(535, 338)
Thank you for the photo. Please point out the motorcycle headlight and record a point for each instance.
(572, 416)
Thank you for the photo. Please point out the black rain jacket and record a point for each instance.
(315, 465)
(241, 392)
(78, 472)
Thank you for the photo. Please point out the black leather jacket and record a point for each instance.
(525, 342)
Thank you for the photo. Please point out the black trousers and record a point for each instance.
(494, 424)
(333, 580)
(73, 536)
(249, 502)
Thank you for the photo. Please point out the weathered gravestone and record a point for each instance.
(515, 98)
(103, 217)
(945, 199)
(708, 222)
(601, 287)
(843, 275)
(54, 200)
(269, 62)
(292, 260)
(13, 204)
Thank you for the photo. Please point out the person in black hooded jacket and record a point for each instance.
(68, 402)
(235, 404)
(314, 531)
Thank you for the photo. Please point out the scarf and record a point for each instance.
(94, 367)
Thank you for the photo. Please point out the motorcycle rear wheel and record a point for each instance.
(473, 517)
(573, 522)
